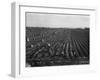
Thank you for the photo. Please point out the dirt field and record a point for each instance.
(56, 46)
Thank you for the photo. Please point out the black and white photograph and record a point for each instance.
(56, 39)
(53, 40)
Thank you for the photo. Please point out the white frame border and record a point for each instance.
(18, 70)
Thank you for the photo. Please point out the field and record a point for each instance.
(56, 46)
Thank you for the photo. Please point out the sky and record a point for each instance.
(57, 20)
